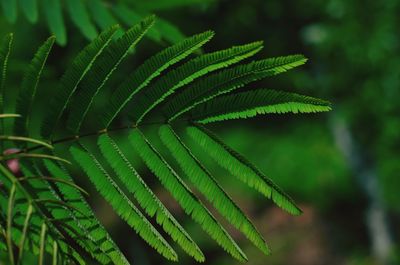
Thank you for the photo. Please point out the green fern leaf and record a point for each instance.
(228, 80)
(30, 10)
(91, 224)
(72, 78)
(205, 183)
(149, 70)
(188, 72)
(189, 202)
(121, 204)
(55, 20)
(146, 198)
(29, 86)
(241, 168)
(251, 103)
(102, 70)
(65, 219)
(5, 50)
(9, 10)
(39, 194)
(80, 17)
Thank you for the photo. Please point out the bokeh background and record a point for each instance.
(342, 167)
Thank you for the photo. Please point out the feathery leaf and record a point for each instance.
(205, 183)
(102, 70)
(146, 198)
(189, 202)
(73, 77)
(241, 168)
(226, 81)
(149, 70)
(251, 103)
(188, 72)
(29, 85)
(5, 50)
(91, 224)
(121, 204)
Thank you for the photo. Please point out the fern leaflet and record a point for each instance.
(239, 167)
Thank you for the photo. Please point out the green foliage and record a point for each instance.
(29, 86)
(102, 69)
(73, 76)
(239, 167)
(255, 102)
(89, 16)
(206, 184)
(227, 81)
(70, 231)
(149, 70)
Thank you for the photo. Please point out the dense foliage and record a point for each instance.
(69, 230)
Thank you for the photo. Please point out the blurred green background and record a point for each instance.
(341, 167)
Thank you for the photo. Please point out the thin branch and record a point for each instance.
(96, 133)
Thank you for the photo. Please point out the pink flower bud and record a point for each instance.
(12, 164)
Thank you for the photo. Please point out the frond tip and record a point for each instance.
(206, 184)
(181, 192)
(145, 197)
(109, 189)
(241, 168)
(251, 103)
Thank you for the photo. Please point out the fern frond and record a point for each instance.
(29, 195)
(189, 202)
(28, 88)
(30, 9)
(5, 50)
(121, 204)
(102, 70)
(226, 81)
(71, 217)
(80, 17)
(49, 212)
(188, 72)
(205, 183)
(241, 168)
(149, 70)
(73, 77)
(91, 224)
(145, 197)
(87, 16)
(55, 21)
(251, 103)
